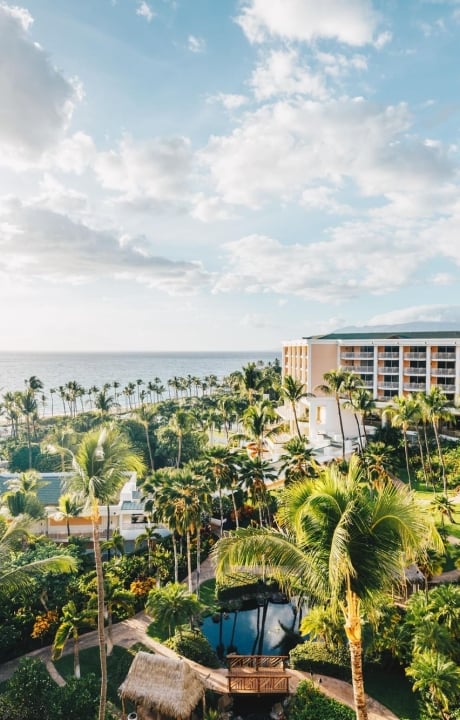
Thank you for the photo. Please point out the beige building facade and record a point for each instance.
(388, 363)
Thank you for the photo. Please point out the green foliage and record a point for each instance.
(18, 459)
(314, 657)
(193, 645)
(310, 704)
(30, 693)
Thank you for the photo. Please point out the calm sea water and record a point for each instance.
(88, 369)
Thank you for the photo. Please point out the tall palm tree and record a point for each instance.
(150, 537)
(437, 408)
(293, 391)
(179, 424)
(219, 467)
(100, 464)
(344, 541)
(334, 384)
(403, 413)
(71, 622)
(115, 596)
(29, 407)
(361, 403)
(297, 460)
(146, 417)
(254, 473)
(258, 424)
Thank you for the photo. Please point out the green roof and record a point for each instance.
(48, 495)
(425, 335)
(133, 506)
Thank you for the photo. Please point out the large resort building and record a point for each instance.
(388, 363)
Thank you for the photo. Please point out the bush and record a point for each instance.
(314, 657)
(29, 693)
(193, 645)
(310, 704)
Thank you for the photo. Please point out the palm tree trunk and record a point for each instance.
(294, 411)
(441, 459)
(100, 615)
(339, 410)
(176, 559)
(198, 560)
(422, 456)
(406, 452)
(353, 633)
(235, 510)
(359, 432)
(189, 562)
(152, 466)
(76, 657)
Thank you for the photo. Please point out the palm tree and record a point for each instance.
(334, 384)
(115, 543)
(179, 423)
(437, 408)
(297, 460)
(115, 596)
(344, 541)
(100, 464)
(257, 421)
(173, 606)
(219, 467)
(104, 402)
(438, 679)
(403, 413)
(146, 417)
(254, 473)
(445, 507)
(71, 622)
(28, 406)
(378, 459)
(68, 508)
(293, 391)
(14, 578)
(150, 537)
(361, 403)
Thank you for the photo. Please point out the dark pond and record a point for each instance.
(268, 629)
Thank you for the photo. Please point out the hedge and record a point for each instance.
(316, 658)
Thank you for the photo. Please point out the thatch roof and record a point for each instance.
(167, 685)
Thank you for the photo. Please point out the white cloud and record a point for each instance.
(383, 39)
(418, 313)
(36, 100)
(345, 267)
(50, 247)
(145, 11)
(280, 73)
(196, 44)
(230, 101)
(322, 198)
(156, 170)
(209, 209)
(443, 278)
(338, 64)
(352, 22)
(282, 149)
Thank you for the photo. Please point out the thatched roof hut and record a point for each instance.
(162, 686)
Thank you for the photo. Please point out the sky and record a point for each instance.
(225, 174)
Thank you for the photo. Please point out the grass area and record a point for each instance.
(118, 664)
(392, 689)
(208, 593)
(453, 530)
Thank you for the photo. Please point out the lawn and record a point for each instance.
(392, 689)
(118, 664)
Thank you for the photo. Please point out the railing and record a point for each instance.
(443, 356)
(356, 355)
(415, 386)
(388, 385)
(257, 683)
(389, 356)
(388, 370)
(255, 662)
(439, 372)
(415, 356)
(414, 371)
(364, 369)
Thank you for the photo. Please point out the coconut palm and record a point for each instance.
(173, 606)
(71, 622)
(146, 417)
(297, 460)
(344, 541)
(100, 464)
(179, 423)
(219, 467)
(115, 543)
(28, 406)
(293, 391)
(436, 407)
(254, 474)
(258, 424)
(14, 578)
(403, 413)
(68, 508)
(361, 403)
(150, 537)
(115, 596)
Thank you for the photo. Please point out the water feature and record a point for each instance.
(267, 629)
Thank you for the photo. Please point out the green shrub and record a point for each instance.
(193, 645)
(314, 657)
(29, 693)
(310, 704)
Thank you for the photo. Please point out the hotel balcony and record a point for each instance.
(388, 385)
(363, 369)
(415, 386)
(415, 356)
(388, 370)
(389, 356)
(368, 384)
(414, 371)
(443, 356)
(442, 372)
(357, 355)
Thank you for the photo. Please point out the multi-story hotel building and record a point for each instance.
(389, 363)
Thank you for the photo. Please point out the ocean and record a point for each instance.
(89, 369)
